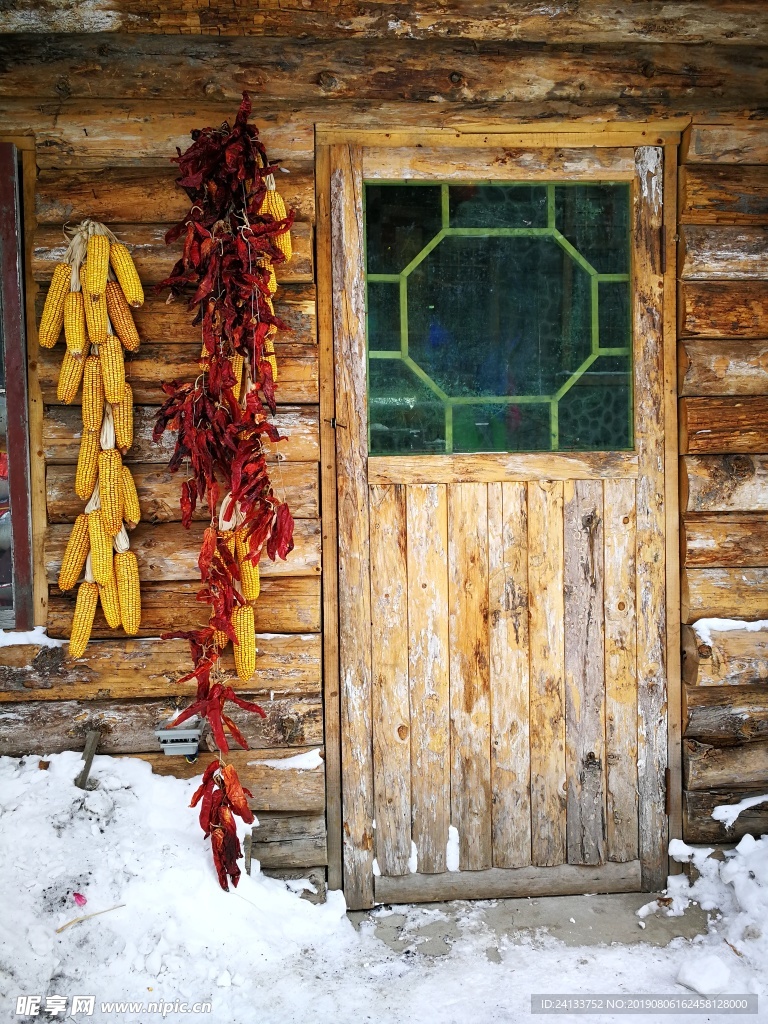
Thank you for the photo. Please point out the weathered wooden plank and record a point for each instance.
(428, 668)
(62, 428)
(168, 552)
(298, 790)
(725, 716)
(391, 716)
(619, 597)
(352, 490)
(498, 467)
(651, 581)
(290, 853)
(723, 309)
(501, 883)
(128, 726)
(283, 828)
(146, 370)
(142, 194)
(723, 194)
(547, 667)
(154, 259)
(732, 657)
(708, 767)
(724, 594)
(700, 827)
(427, 163)
(150, 668)
(509, 674)
(720, 252)
(720, 425)
(584, 671)
(717, 540)
(158, 490)
(470, 673)
(725, 144)
(723, 366)
(724, 483)
(288, 605)
(592, 22)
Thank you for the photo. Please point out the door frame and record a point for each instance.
(339, 169)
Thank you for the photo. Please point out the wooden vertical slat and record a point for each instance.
(389, 668)
(427, 511)
(470, 673)
(620, 669)
(545, 585)
(584, 671)
(352, 492)
(649, 418)
(508, 615)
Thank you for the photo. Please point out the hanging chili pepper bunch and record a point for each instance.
(234, 234)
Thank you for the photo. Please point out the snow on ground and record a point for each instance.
(262, 954)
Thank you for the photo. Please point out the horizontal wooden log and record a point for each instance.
(281, 828)
(724, 483)
(725, 715)
(150, 668)
(274, 789)
(725, 144)
(590, 22)
(62, 426)
(128, 726)
(724, 594)
(722, 366)
(145, 370)
(722, 253)
(290, 853)
(285, 605)
(732, 657)
(708, 767)
(159, 321)
(722, 194)
(149, 195)
(154, 259)
(700, 827)
(711, 426)
(168, 552)
(723, 309)
(310, 71)
(739, 539)
(294, 482)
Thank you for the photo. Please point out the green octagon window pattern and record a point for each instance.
(498, 317)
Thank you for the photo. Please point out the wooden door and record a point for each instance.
(502, 618)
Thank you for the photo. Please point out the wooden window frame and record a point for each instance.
(510, 137)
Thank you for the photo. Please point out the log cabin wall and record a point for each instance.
(106, 110)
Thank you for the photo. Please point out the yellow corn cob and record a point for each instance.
(75, 555)
(127, 573)
(110, 602)
(70, 375)
(113, 369)
(87, 464)
(220, 639)
(93, 394)
(245, 648)
(74, 323)
(97, 265)
(52, 319)
(111, 490)
(274, 204)
(266, 264)
(250, 579)
(123, 416)
(82, 623)
(131, 508)
(121, 317)
(101, 548)
(126, 274)
(271, 358)
(237, 368)
(95, 311)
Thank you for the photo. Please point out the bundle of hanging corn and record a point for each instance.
(91, 295)
(236, 231)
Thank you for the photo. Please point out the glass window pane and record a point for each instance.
(383, 316)
(595, 220)
(595, 414)
(498, 206)
(404, 416)
(399, 221)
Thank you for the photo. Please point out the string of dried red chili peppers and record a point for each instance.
(222, 423)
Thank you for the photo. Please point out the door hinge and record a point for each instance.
(663, 248)
(335, 423)
(667, 796)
